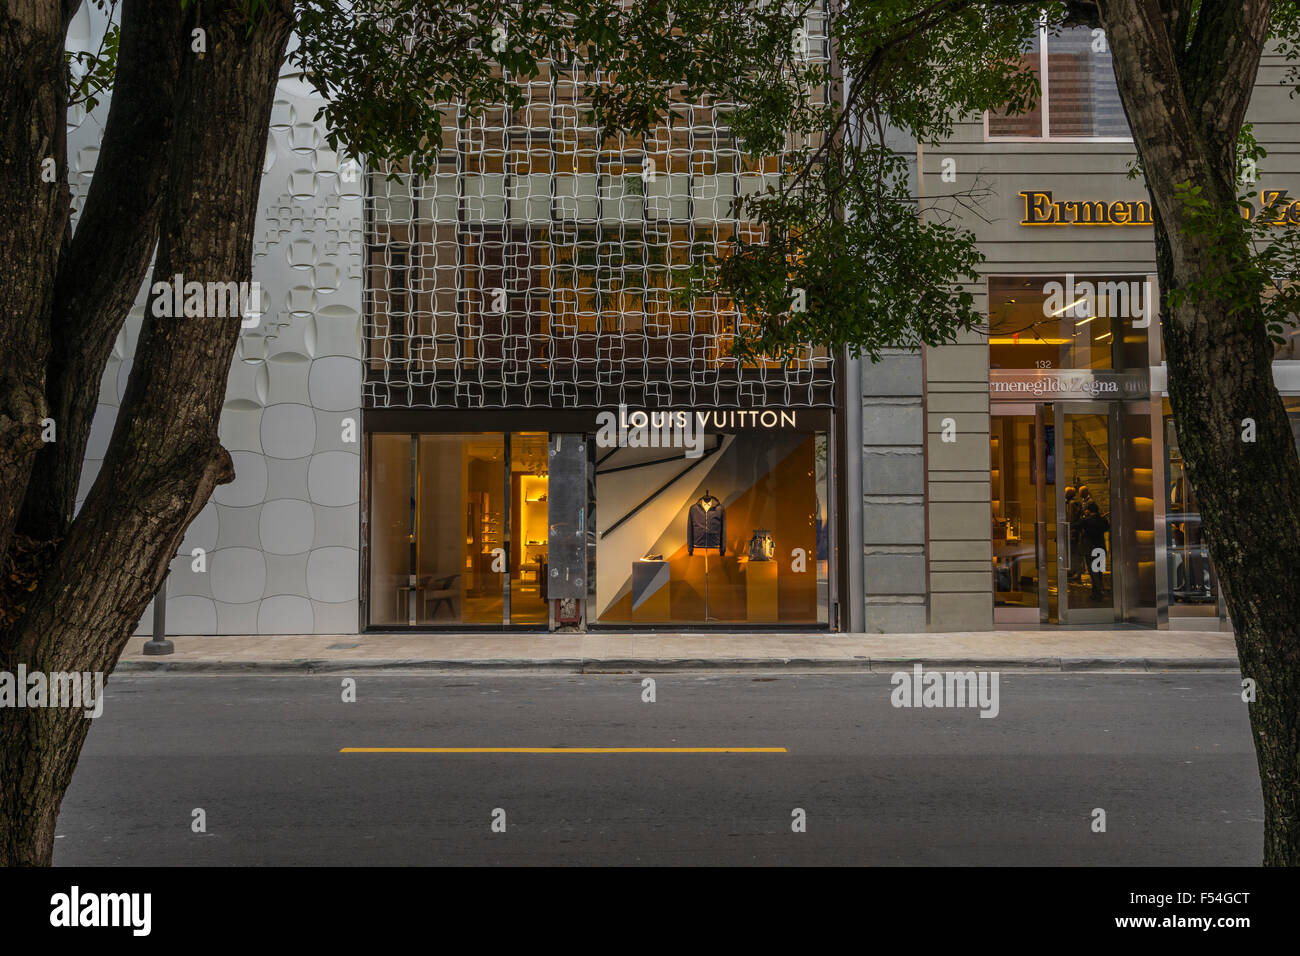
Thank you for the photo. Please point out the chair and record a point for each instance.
(442, 591)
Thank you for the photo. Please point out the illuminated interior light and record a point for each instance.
(1000, 340)
(1067, 308)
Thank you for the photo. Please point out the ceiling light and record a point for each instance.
(1067, 308)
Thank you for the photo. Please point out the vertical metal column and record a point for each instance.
(1040, 514)
(850, 457)
(1123, 551)
(505, 536)
(566, 518)
(412, 536)
(158, 645)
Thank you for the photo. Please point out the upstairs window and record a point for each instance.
(1079, 98)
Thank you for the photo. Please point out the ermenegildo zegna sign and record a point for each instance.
(1042, 209)
(1049, 384)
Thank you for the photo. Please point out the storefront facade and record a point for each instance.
(478, 399)
(669, 519)
(555, 432)
(1059, 409)
(481, 402)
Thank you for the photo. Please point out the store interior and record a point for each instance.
(739, 536)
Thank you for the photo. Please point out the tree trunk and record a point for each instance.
(1186, 100)
(1220, 381)
(33, 219)
(39, 747)
(165, 458)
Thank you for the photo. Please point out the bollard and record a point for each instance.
(159, 644)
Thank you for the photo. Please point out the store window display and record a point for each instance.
(458, 530)
(736, 536)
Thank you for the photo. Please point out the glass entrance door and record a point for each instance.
(460, 531)
(1087, 579)
(1053, 559)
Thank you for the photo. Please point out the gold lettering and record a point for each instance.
(1039, 208)
(1274, 199)
(1139, 213)
(1093, 211)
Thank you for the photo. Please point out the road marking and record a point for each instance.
(563, 750)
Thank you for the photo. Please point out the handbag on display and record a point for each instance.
(761, 546)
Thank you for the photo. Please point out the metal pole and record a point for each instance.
(159, 644)
(852, 456)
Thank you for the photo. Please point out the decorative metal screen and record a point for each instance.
(538, 266)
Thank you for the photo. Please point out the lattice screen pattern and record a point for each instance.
(537, 266)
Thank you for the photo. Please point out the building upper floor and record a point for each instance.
(547, 260)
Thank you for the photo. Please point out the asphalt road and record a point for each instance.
(1167, 756)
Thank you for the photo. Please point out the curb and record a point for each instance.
(332, 665)
(1209, 663)
(653, 665)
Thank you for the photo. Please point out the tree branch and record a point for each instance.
(100, 276)
(165, 457)
(1219, 67)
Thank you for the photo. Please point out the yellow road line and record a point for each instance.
(563, 750)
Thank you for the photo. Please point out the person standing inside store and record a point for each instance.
(1079, 558)
(1092, 537)
(1073, 512)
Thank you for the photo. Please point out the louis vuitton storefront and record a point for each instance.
(534, 519)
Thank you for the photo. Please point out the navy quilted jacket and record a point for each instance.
(707, 529)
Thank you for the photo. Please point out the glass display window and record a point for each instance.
(1070, 321)
(739, 536)
(457, 530)
(1193, 585)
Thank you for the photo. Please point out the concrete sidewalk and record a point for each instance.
(1133, 649)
